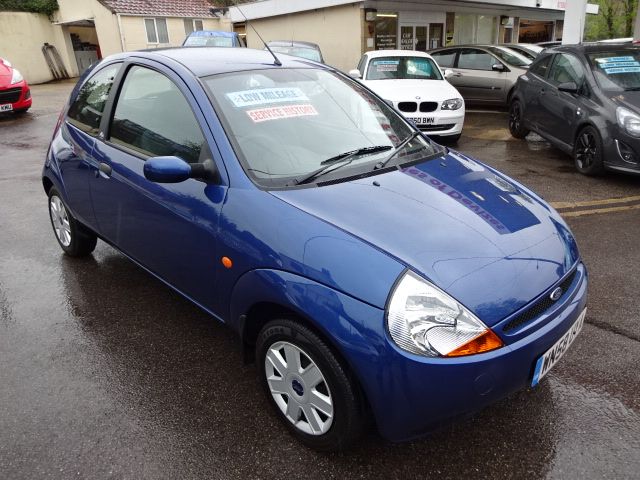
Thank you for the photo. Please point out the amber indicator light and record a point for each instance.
(226, 261)
(482, 343)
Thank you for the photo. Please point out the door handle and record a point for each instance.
(457, 74)
(104, 170)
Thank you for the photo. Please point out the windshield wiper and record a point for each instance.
(384, 162)
(343, 159)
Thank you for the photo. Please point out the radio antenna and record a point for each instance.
(276, 62)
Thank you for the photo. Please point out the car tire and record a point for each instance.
(516, 128)
(74, 239)
(587, 152)
(296, 365)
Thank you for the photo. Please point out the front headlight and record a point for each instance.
(424, 320)
(452, 104)
(16, 77)
(629, 121)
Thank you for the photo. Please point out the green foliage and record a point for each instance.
(46, 7)
(615, 20)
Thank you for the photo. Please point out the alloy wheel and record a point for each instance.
(299, 388)
(60, 220)
(587, 150)
(514, 117)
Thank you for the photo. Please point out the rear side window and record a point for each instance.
(153, 117)
(476, 60)
(86, 110)
(541, 66)
(445, 59)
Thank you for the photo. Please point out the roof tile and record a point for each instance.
(161, 8)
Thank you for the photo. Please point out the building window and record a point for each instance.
(386, 31)
(156, 30)
(192, 25)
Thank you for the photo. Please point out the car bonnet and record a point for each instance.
(476, 234)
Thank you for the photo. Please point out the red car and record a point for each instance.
(15, 95)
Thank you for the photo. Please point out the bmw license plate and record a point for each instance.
(423, 120)
(7, 107)
(551, 357)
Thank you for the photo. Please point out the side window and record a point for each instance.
(473, 59)
(153, 117)
(566, 68)
(361, 64)
(86, 110)
(541, 65)
(445, 59)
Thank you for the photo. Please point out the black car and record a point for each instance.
(585, 99)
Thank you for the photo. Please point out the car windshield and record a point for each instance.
(616, 70)
(302, 52)
(210, 41)
(509, 56)
(286, 124)
(396, 68)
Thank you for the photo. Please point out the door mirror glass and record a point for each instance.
(497, 67)
(167, 170)
(569, 87)
(355, 73)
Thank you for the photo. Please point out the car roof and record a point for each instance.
(592, 47)
(397, 53)
(204, 61)
(292, 43)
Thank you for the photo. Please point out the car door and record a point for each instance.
(75, 140)
(476, 78)
(560, 111)
(168, 228)
(532, 84)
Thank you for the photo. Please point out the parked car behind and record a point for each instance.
(585, 99)
(483, 74)
(368, 270)
(529, 50)
(15, 95)
(416, 86)
(308, 50)
(213, 38)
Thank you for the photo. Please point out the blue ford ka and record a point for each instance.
(369, 272)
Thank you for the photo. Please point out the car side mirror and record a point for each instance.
(569, 87)
(448, 73)
(355, 73)
(175, 170)
(497, 67)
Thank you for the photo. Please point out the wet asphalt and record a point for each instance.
(107, 373)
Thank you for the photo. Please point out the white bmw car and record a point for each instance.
(416, 86)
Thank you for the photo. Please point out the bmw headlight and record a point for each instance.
(452, 104)
(424, 320)
(16, 77)
(628, 120)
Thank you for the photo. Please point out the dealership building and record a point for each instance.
(344, 30)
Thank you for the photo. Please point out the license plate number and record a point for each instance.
(6, 107)
(423, 120)
(551, 356)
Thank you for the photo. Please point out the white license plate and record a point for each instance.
(551, 356)
(6, 107)
(423, 120)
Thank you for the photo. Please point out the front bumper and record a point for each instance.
(621, 151)
(412, 395)
(438, 122)
(17, 95)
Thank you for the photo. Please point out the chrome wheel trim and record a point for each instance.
(586, 150)
(60, 220)
(299, 388)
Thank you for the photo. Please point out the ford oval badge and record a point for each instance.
(556, 294)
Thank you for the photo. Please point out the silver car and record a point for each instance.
(483, 74)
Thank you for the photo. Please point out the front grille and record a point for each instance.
(433, 128)
(540, 306)
(407, 106)
(428, 107)
(11, 95)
